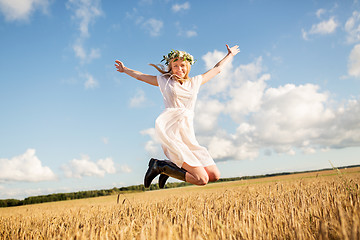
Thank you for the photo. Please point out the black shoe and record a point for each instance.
(162, 180)
(151, 173)
(168, 168)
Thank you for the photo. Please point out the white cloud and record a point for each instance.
(153, 26)
(94, 53)
(125, 169)
(354, 62)
(191, 33)
(153, 145)
(90, 81)
(185, 33)
(78, 168)
(352, 27)
(84, 13)
(26, 167)
(223, 80)
(20, 10)
(320, 12)
(181, 7)
(80, 52)
(135, 16)
(220, 148)
(106, 164)
(246, 98)
(325, 27)
(138, 100)
(322, 28)
(291, 115)
(284, 119)
(304, 34)
(207, 112)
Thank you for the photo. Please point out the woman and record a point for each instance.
(189, 161)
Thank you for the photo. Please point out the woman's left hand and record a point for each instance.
(233, 50)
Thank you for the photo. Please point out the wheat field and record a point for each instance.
(324, 205)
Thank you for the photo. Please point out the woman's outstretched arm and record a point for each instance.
(150, 79)
(218, 67)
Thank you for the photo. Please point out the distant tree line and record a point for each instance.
(69, 196)
(135, 188)
(83, 194)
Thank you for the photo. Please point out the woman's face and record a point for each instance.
(179, 68)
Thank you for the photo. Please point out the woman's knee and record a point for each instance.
(203, 179)
(198, 175)
(214, 177)
(214, 173)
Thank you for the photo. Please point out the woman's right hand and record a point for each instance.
(119, 66)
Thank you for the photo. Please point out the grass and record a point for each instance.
(321, 205)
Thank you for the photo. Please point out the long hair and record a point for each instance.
(168, 71)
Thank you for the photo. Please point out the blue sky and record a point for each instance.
(289, 101)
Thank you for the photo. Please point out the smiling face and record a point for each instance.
(180, 68)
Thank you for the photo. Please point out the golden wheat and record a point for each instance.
(292, 207)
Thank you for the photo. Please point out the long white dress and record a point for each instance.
(174, 127)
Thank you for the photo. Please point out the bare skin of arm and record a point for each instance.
(150, 79)
(218, 67)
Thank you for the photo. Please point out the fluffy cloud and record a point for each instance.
(26, 167)
(78, 168)
(352, 27)
(153, 26)
(20, 10)
(320, 12)
(322, 28)
(185, 32)
(207, 112)
(153, 145)
(354, 62)
(84, 13)
(138, 100)
(289, 116)
(90, 81)
(190, 33)
(222, 81)
(181, 7)
(125, 169)
(84, 55)
(283, 119)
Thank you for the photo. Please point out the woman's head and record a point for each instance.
(178, 62)
(180, 68)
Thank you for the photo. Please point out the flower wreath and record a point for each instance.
(176, 54)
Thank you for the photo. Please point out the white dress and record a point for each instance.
(174, 127)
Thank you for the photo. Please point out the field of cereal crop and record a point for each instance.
(320, 205)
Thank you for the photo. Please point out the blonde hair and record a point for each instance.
(162, 70)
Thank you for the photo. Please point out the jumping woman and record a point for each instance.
(174, 127)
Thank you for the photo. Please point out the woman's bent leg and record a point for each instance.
(196, 175)
(157, 167)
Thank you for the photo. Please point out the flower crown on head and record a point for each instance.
(176, 54)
